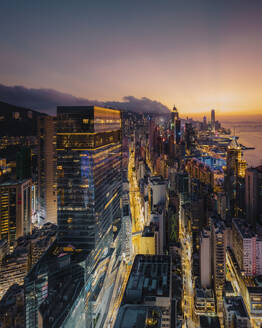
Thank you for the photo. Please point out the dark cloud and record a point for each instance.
(139, 105)
(46, 100)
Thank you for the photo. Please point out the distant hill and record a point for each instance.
(47, 100)
(17, 121)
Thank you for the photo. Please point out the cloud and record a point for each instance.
(46, 100)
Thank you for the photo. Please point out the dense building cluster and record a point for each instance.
(111, 218)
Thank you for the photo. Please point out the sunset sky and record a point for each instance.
(196, 54)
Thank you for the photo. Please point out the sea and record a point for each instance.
(250, 135)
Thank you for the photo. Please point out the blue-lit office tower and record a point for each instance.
(176, 125)
(89, 177)
(178, 131)
(213, 120)
(74, 282)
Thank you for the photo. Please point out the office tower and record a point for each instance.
(174, 117)
(175, 125)
(235, 164)
(171, 147)
(74, 284)
(205, 259)
(213, 120)
(178, 131)
(218, 258)
(253, 195)
(189, 138)
(234, 178)
(23, 163)
(89, 174)
(47, 193)
(204, 123)
(15, 210)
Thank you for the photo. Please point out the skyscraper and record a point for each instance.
(213, 120)
(174, 117)
(175, 125)
(218, 258)
(205, 259)
(74, 282)
(88, 178)
(15, 209)
(234, 178)
(47, 193)
(235, 164)
(204, 123)
(23, 163)
(253, 195)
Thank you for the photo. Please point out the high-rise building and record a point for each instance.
(47, 193)
(247, 248)
(253, 195)
(178, 131)
(189, 137)
(235, 164)
(15, 209)
(74, 284)
(205, 259)
(213, 120)
(175, 125)
(176, 122)
(219, 243)
(89, 171)
(23, 163)
(204, 123)
(174, 117)
(234, 178)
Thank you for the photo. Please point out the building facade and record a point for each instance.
(88, 178)
(15, 209)
(253, 195)
(47, 193)
(247, 247)
(205, 259)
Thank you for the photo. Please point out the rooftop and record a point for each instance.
(234, 144)
(228, 287)
(148, 232)
(244, 228)
(236, 304)
(13, 182)
(149, 278)
(204, 293)
(157, 180)
(138, 316)
(209, 322)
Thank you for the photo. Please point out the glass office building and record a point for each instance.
(73, 282)
(89, 174)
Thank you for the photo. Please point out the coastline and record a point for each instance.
(250, 136)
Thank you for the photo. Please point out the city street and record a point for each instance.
(188, 297)
(137, 215)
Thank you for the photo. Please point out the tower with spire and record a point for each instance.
(234, 178)
(175, 125)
